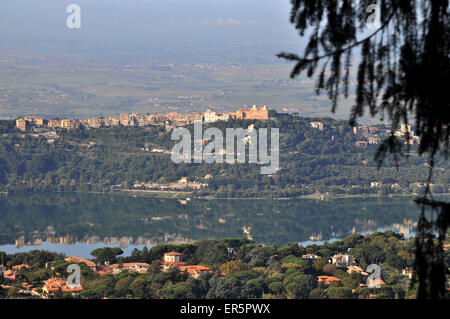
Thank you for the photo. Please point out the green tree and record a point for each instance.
(122, 286)
(211, 252)
(177, 291)
(339, 293)
(276, 287)
(2, 258)
(300, 286)
(138, 288)
(316, 294)
(233, 266)
(224, 288)
(403, 73)
(106, 254)
(12, 293)
(319, 264)
(252, 289)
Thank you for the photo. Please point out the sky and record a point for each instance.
(149, 24)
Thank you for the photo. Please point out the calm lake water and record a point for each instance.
(75, 224)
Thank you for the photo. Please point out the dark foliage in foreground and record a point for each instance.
(403, 75)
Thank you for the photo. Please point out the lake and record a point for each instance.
(75, 224)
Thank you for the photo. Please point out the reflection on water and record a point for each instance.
(406, 228)
(122, 242)
(64, 220)
(77, 249)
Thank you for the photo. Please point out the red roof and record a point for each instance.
(79, 260)
(53, 284)
(327, 279)
(71, 289)
(377, 282)
(194, 269)
(21, 266)
(26, 285)
(10, 274)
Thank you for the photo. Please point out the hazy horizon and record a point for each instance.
(142, 24)
(38, 52)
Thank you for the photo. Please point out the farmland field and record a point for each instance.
(54, 85)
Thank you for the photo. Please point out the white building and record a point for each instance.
(318, 125)
(210, 116)
(342, 261)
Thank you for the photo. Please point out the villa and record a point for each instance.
(53, 285)
(310, 257)
(10, 274)
(342, 261)
(327, 280)
(141, 268)
(355, 269)
(18, 267)
(172, 259)
(79, 260)
(195, 270)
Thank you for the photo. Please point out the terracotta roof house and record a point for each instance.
(79, 260)
(10, 274)
(18, 267)
(55, 284)
(131, 267)
(26, 285)
(327, 280)
(136, 267)
(355, 269)
(104, 270)
(114, 269)
(172, 259)
(195, 270)
(72, 288)
(52, 285)
(342, 261)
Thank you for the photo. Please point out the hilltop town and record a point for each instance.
(366, 135)
(318, 156)
(169, 120)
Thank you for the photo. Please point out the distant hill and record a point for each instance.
(312, 161)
